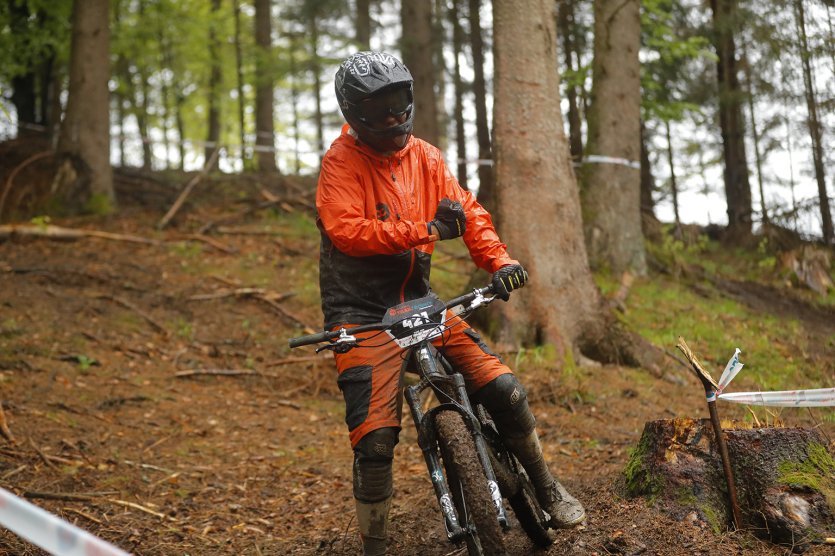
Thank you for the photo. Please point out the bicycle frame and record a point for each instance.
(436, 379)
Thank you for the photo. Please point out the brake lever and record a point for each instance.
(343, 343)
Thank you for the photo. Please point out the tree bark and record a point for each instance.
(486, 172)
(814, 125)
(611, 193)
(677, 463)
(213, 133)
(84, 180)
(264, 117)
(673, 179)
(417, 46)
(239, 73)
(737, 186)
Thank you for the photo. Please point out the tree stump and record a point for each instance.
(785, 478)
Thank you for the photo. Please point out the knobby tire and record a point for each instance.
(468, 485)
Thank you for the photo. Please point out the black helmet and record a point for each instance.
(375, 75)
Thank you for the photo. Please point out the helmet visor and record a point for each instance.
(377, 109)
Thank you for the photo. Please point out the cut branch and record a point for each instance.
(187, 190)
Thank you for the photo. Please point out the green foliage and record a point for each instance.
(817, 472)
(669, 46)
(99, 204)
(32, 32)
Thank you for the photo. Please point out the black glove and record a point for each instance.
(507, 279)
(450, 220)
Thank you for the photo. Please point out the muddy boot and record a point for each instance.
(564, 509)
(373, 525)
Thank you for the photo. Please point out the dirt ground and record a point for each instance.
(97, 340)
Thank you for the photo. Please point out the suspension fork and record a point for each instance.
(428, 443)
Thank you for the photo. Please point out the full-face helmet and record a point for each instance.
(371, 87)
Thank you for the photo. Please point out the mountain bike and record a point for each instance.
(470, 468)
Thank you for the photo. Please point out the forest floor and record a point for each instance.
(97, 340)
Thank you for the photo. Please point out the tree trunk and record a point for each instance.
(239, 73)
(363, 24)
(486, 172)
(755, 136)
(565, 21)
(538, 201)
(84, 180)
(612, 192)
(264, 117)
(417, 47)
(647, 180)
(316, 71)
(737, 187)
(677, 463)
(814, 125)
(213, 124)
(294, 97)
(458, 85)
(673, 180)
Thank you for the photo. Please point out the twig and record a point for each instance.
(127, 304)
(187, 190)
(41, 455)
(84, 515)
(9, 474)
(141, 508)
(4, 427)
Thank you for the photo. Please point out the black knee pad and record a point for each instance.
(373, 455)
(507, 402)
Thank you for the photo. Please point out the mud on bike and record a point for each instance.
(470, 468)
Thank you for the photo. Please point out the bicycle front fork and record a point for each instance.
(428, 445)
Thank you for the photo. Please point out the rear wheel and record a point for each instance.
(468, 486)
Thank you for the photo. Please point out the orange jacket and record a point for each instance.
(373, 213)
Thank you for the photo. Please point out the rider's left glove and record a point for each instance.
(507, 279)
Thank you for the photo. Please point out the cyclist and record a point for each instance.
(383, 198)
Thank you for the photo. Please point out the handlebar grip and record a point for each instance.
(311, 339)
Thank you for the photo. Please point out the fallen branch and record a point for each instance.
(222, 372)
(127, 304)
(50, 231)
(213, 242)
(67, 496)
(42, 455)
(239, 292)
(84, 515)
(187, 190)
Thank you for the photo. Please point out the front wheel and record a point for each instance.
(468, 486)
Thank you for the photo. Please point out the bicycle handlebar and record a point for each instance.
(327, 335)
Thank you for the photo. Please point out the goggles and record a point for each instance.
(379, 107)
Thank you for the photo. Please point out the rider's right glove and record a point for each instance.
(450, 220)
(508, 278)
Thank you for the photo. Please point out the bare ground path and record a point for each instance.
(94, 332)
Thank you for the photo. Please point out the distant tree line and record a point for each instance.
(742, 86)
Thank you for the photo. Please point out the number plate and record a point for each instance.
(415, 321)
